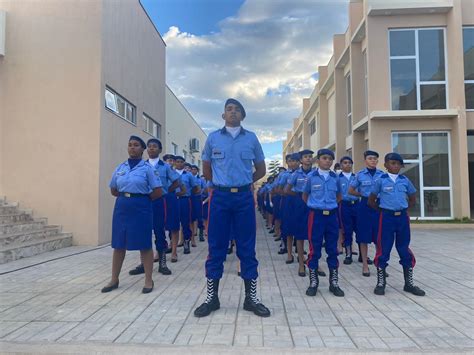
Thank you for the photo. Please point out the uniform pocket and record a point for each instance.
(217, 154)
(247, 154)
(402, 188)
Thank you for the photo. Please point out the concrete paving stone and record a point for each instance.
(9, 327)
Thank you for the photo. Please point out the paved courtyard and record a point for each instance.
(57, 304)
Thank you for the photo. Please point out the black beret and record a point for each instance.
(394, 156)
(346, 157)
(195, 167)
(325, 152)
(288, 156)
(139, 140)
(179, 157)
(156, 141)
(237, 103)
(296, 156)
(187, 164)
(370, 152)
(168, 156)
(305, 152)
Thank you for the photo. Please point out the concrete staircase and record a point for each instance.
(22, 236)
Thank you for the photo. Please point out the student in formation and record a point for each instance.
(196, 203)
(348, 207)
(205, 204)
(396, 194)
(268, 204)
(184, 198)
(367, 217)
(233, 160)
(321, 193)
(135, 184)
(299, 211)
(276, 201)
(170, 181)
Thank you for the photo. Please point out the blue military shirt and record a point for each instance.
(282, 180)
(188, 180)
(142, 179)
(344, 183)
(322, 193)
(166, 173)
(298, 179)
(364, 181)
(393, 195)
(231, 158)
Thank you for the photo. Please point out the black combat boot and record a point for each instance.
(211, 303)
(381, 282)
(138, 270)
(162, 268)
(313, 283)
(333, 283)
(409, 286)
(252, 303)
(187, 250)
(348, 258)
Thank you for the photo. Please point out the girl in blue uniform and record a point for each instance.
(135, 184)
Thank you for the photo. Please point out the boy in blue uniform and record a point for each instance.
(169, 179)
(184, 198)
(229, 156)
(347, 206)
(299, 211)
(321, 193)
(367, 217)
(396, 194)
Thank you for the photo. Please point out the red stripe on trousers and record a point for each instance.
(379, 241)
(310, 239)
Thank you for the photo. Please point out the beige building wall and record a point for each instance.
(363, 51)
(181, 128)
(58, 143)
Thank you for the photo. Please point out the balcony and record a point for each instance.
(408, 7)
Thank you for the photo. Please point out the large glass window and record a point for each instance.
(120, 106)
(312, 127)
(151, 126)
(427, 165)
(418, 69)
(468, 44)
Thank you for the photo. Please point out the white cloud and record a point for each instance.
(265, 56)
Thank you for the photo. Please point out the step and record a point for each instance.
(29, 236)
(8, 209)
(14, 218)
(15, 252)
(25, 226)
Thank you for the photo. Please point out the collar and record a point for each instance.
(331, 173)
(242, 131)
(139, 164)
(304, 172)
(341, 174)
(400, 176)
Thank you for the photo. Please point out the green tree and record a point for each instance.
(273, 167)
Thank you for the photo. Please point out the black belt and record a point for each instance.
(128, 194)
(324, 212)
(350, 203)
(244, 188)
(394, 213)
(180, 197)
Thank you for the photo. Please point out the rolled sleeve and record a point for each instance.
(410, 188)
(153, 180)
(376, 187)
(172, 175)
(206, 152)
(113, 180)
(258, 151)
(354, 183)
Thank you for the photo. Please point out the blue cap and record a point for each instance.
(288, 156)
(394, 156)
(179, 157)
(236, 102)
(156, 141)
(346, 157)
(168, 156)
(305, 152)
(139, 140)
(325, 152)
(370, 152)
(295, 156)
(187, 164)
(194, 167)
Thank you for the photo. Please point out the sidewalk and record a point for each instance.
(58, 304)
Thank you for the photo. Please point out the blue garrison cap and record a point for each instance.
(370, 152)
(346, 157)
(305, 152)
(187, 164)
(195, 167)
(179, 157)
(288, 156)
(168, 156)
(295, 156)
(394, 156)
(139, 140)
(156, 141)
(325, 152)
(235, 102)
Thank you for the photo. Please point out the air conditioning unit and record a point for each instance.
(194, 145)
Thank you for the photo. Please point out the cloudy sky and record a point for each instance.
(263, 52)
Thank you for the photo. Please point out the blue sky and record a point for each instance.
(263, 52)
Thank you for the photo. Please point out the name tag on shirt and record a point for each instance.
(120, 173)
(366, 183)
(388, 189)
(217, 154)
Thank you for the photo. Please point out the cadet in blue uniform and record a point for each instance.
(276, 200)
(299, 211)
(268, 202)
(396, 194)
(135, 184)
(321, 193)
(196, 200)
(367, 217)
(228, 158)
(170, 181)
(347, 207)
(184, 197)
